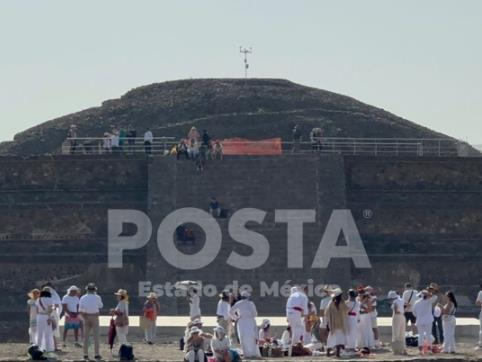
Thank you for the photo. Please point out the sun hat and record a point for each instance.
(73, 287)
(91, 286)
(265, 323)
(121, 292)
(152, 295)
(392, 294)
(336, 292)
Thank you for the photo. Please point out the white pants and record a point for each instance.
(297, 327)
(448, 323)
(122, 334)
(424, 333)
(191, 356)
(32, 333)
(45, 335)
(248, 335)
(480, 330)
(398, 334)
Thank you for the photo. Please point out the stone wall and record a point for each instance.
(419, 219)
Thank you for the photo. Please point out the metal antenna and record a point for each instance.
(245, 51)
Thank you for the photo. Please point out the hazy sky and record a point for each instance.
(421, 60)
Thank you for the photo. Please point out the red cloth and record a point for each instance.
(241, 146)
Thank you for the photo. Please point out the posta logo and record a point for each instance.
(340, 221)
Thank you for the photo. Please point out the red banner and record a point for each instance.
(241, 146)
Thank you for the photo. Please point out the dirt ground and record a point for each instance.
(168, 351)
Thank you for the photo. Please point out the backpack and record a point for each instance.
(36, 354)
(126, 353)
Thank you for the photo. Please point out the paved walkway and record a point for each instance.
(210, 321)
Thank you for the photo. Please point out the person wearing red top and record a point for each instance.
(151, 310)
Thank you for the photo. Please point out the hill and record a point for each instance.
(253, 108)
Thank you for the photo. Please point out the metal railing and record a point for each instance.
(384, 146)
(326, 145)
(106, 145)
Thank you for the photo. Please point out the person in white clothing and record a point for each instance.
(296, 310)
(353, 315)
(70, 306)
(45, 319)
(244, 311)
(148, 139)
(220, 345)
(121, 312)
(409, 297)
(365, 338)
(33, 295)
(56, 313)
(478, 303)
(422, 310)
(90, 305)
(264, 335)
(374, 314)
(398, 323)
(448, 322)
(222, 313)
(194, 304)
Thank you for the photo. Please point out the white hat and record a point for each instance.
(392, 294)
(193, 330)
(336, 292)
(73, 287)
(265, 323)
(245, 294)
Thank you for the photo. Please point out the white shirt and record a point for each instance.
(194, 308)
(243, 309)
(324, 303)
(223, 309)
(148, 137)
(72, 303)
(399, 303)
(220, 345)
(353, 308)
(123, 307)
(297, 300)
(43, 304)
(409, 297)
(479, 298)
(422, 309)
(90, 303)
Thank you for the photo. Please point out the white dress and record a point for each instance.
(245, 312)
(365, 336)
(194, 308)
(352, 323)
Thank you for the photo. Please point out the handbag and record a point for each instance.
(121, 320)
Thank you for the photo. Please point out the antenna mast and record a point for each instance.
(245, 51)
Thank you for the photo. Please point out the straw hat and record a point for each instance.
(434, 286)
(336, 292)
(121, 292)
(152, 295)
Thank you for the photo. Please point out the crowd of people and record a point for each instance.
(195, 146)
(345, 324)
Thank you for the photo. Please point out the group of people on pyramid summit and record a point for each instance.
(344, 323)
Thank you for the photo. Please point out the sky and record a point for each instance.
(421, 60)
